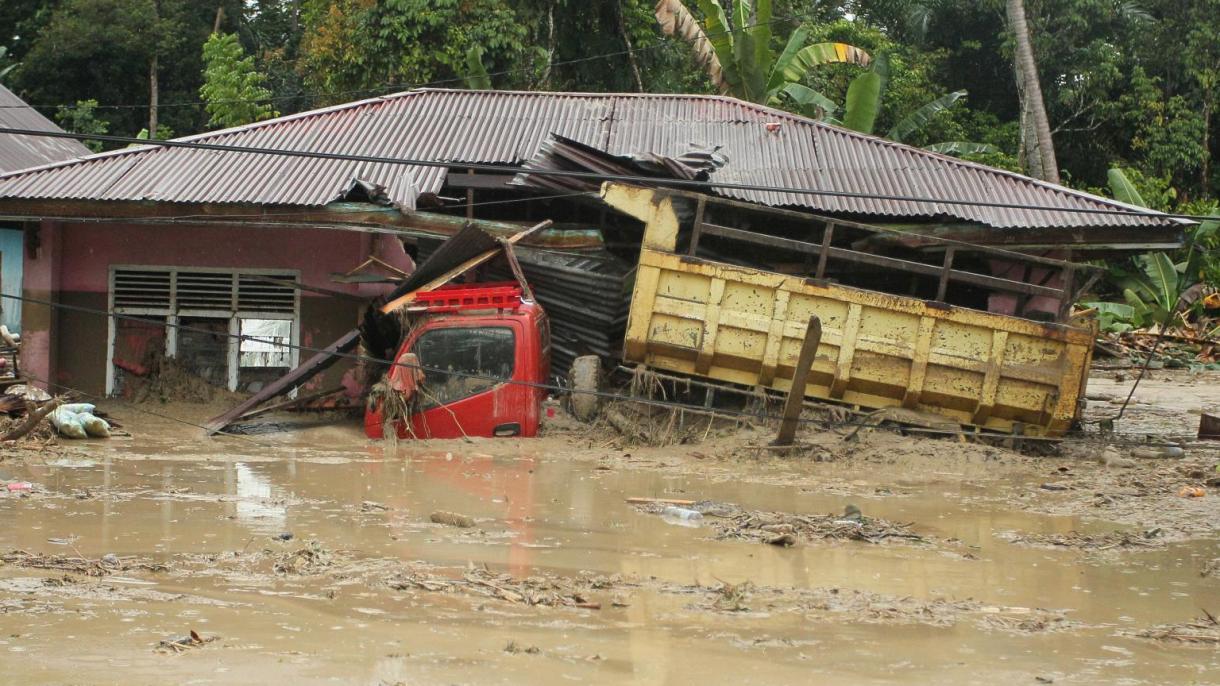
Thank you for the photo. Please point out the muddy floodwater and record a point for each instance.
(311, 556)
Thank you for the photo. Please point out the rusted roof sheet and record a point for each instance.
(763, 146)
(20, 152)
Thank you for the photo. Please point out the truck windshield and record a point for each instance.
(472, 359)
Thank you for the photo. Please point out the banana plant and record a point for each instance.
(4, 71)
(1158, 287)
(476, 76)
(863, 104)
(734, 47)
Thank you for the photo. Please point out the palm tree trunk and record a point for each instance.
(1031, 93)
(154, 96)
(622, 29)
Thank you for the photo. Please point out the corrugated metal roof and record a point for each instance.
(462, 126)
(21, 152)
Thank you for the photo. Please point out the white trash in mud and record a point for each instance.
(76, 420)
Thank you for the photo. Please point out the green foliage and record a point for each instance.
(6, 65)
(82, 118)
(863, 102)
(1123, 190)
(103, 50)
(1114, 317)
(476, 77)
(361, 45)
(741, 40)
(1153, 286)
(232, 87)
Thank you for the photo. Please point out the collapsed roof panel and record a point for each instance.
(762, 146)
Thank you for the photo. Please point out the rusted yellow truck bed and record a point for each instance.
(877, 350)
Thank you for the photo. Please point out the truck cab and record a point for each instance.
(473, 364)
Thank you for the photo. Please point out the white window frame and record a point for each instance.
(173, 315)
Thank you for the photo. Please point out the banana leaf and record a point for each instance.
(719, 33)
(1114, 317)
(1122, 189)
(818, 54)
(476, 77)
(807, 98)
(761, 33)
(959, 148)
(777, 79)
(1164, 278)
(920, 117)
(863, 102)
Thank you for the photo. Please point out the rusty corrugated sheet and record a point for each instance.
(23, 152)
(763, 147)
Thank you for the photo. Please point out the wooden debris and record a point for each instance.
(1106, 541)
(1202, 631)
(178, 645)
(452, 519)
(781, 528)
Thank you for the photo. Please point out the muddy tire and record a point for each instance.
(585, 376)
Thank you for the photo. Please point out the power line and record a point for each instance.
(388, 87)
(605, 395)
(595, 176)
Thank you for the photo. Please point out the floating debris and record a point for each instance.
(452, 519)
(782, 528)
(178, 645)
(1152, 538)
(548, 591)
(1202, 631)
(108, 564)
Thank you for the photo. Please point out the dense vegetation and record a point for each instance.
(1132, 84)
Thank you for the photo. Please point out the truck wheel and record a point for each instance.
(585, 376)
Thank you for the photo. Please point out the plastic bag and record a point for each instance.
(67, 423)
(76, 420)
(96, 427)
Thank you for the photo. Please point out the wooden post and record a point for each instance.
(827, 237)
(796, 394)
(697, 227)
(944, 275)
(1069, 290)
(470, 198)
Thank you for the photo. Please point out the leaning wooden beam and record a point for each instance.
(331, 354)
(315, 365)
(459, 270)
(291, 403)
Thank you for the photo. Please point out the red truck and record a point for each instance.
(473, 364)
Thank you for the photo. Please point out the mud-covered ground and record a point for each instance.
(312, 556)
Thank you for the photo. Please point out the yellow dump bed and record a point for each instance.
(746, 326)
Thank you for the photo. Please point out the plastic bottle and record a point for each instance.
(682, 516)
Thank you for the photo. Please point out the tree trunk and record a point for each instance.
(622, 29)
(154, 91)
(153, 97)
(220, 16)
(1031, 93)
(1206, 172)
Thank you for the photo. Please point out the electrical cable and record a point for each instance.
(605, 395)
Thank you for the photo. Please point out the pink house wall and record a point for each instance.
(72, 267)
(90, 249)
